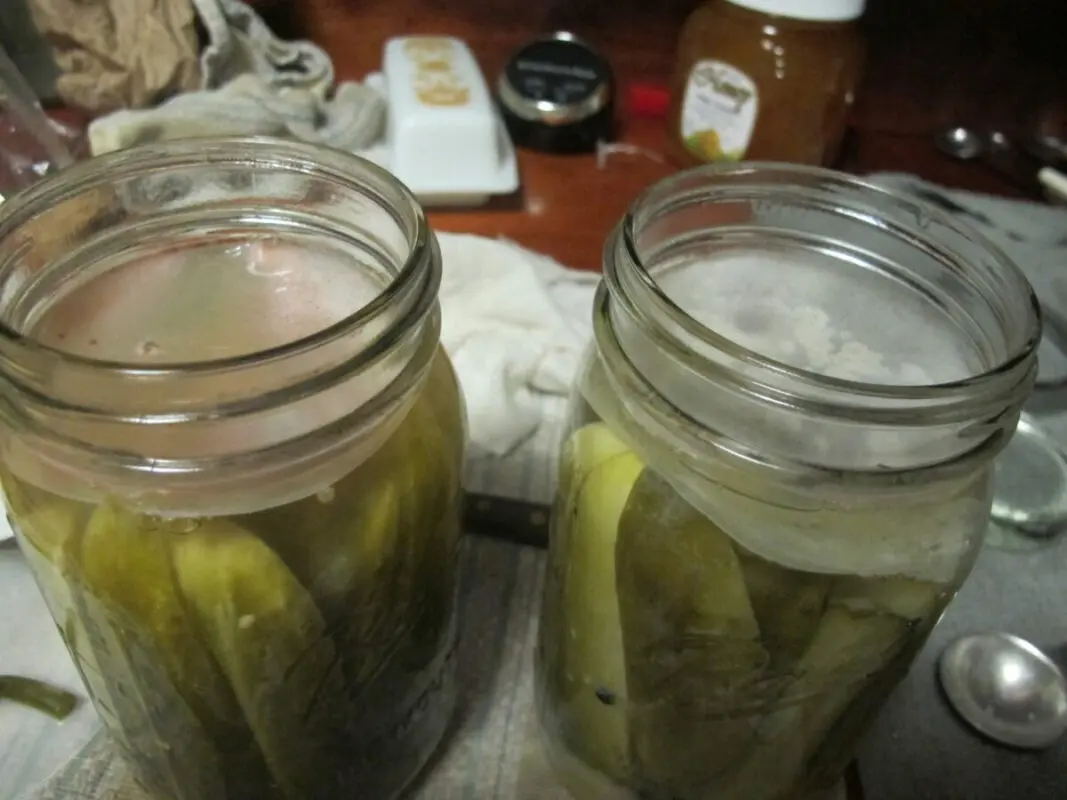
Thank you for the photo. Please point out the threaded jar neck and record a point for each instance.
(805, 318)
(316, 338)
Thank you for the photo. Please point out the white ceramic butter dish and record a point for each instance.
(444, 137)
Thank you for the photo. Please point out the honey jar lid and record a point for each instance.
(814, 10)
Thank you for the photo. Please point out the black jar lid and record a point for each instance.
(557, 94)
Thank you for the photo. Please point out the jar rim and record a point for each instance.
(337, 166)
(781, 173)
(676, 379)
(292, 416)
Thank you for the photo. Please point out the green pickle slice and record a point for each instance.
(177, 711)
(270, 655)
(590, 675)
(378, 555)
(270, 640)
(50, 531)
(38, 695)
(738, 679)
(691, 641)
(788, 607)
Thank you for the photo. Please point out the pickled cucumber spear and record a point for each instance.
(164, 683)
(691, 641)
(865, 626)
(377, 550)
(268, 636)
(51, 531)
(788, 606)
(588, 673)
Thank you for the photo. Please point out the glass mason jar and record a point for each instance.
(231, 452)
(776, 475)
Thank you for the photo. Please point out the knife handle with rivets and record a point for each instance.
(512, 520)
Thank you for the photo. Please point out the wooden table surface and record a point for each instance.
(932, 63)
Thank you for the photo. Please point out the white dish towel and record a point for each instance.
(515, 324)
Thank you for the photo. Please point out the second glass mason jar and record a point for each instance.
(231, 449)
(776, 475)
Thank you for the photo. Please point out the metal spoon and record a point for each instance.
(960, 142)
(997, 151)
(1006, 688)
(1046, 149)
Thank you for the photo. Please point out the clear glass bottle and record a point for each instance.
(231, 451)
(776, 475)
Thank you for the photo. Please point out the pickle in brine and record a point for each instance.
(788, 606)
(158, 670)
(268, 636)
(597, 473)
(846, 649)
(694, 660)
(377, 551)
(905, 598)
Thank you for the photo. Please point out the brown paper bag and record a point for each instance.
(120, 53)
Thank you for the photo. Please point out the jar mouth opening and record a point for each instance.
(254, 154)
(748, 185)
(295, 387)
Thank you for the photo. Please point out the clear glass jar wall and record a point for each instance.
(232, 450)
(775, 477)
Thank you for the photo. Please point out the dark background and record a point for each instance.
(1001, 63)
(933, 63)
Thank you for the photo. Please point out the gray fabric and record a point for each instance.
(918, 749)
(1034, 235)
(253, 83)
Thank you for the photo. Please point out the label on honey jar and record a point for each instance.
(718, 111)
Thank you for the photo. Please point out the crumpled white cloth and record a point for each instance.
(515, 324)
(253, 84)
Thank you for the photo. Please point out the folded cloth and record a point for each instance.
(252, 83)
(515, 324)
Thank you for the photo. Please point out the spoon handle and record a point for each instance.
(1045, 153)
(1054, 182)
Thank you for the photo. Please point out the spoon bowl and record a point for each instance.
(1006, 689)
(960, 142)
